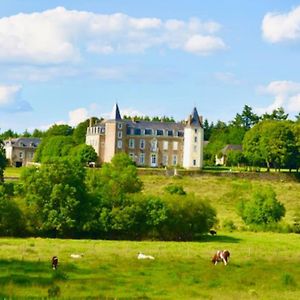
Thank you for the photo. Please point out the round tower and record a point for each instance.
(193, 142)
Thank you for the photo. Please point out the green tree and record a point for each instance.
(277, 114)
(56, 196)
(12, 221)
(80, 132)
(8, 134)
(38, 133)
(262, 209)
(3, 161)
(63, 129)
(247, 119)
(53, 147)
(84, 153)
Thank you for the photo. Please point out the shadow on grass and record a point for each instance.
(219, 239)
(29, 273)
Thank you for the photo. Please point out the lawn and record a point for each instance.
(262, 266)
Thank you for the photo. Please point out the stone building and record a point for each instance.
(150, 144)
(20, 151)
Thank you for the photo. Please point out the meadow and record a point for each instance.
(262, 266)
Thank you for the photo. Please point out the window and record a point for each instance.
(175, 145)
(120, 145)
(196, 130)
(119, 134)
(174, 160)
(153, 160)
(142, 144)
(165, 145)
(21, 155)
(120, 125)
(142, 158)
(194, 162)
(129, 130)
(170, 132)
(131, 143)
(195, 139)
(148, 131)
(159, 132)
(137, 131)
(154, 145)
(131, 155)
(102, 129)
(180, 133)
(165, 160)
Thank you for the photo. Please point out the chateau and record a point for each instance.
(151, 144)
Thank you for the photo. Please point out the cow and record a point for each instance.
(212, 232)
(143, 256)
(221, 256)
(54, 262)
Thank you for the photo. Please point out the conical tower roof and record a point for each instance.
(194, 119)
(116, 113)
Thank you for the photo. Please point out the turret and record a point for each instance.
(193, 142)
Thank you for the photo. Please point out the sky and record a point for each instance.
(65, 61)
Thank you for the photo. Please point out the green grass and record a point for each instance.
(262, 266)
(12, 172)
(223, 193)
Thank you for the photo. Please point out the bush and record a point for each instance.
(228, 225)
(262, 209)
(175, 189)
(12, 221)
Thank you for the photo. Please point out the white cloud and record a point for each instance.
(78, 115)
(286, 94)
(10, 100)
(278, 27)
(59, 35)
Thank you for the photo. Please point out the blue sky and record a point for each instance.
(64, 61)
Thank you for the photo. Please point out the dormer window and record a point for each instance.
(159, 132)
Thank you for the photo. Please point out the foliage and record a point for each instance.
(247, 119)
(80, 132)
(277, 114)
(262, 209)
(235, 158)
(272, 142)
(175, 189)
(8, 134)
(56, 197)
(228, 225)
(63, 129)
(3, 161)
(84, 153)
(11, 217)
(188, 217)
(53, 147)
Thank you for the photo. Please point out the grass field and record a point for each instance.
(223, 193)
(262, 266)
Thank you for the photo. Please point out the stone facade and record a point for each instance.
(20, 151)
(149, 144)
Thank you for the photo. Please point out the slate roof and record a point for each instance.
(232, 147)
(23, 142)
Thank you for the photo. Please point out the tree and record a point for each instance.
(3, 161)
(84, 153)
(63, 129)
(8, 134)
(80, 130)
(247, 119)
(273, 142)
(56, 196)
(12, 221)
(298, 117)
(53, 147)
(277, 114)
(262, 209)
(38, 133)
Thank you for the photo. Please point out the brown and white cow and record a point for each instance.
(221, 256)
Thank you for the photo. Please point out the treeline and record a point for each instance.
(63, 199)
(270, 140)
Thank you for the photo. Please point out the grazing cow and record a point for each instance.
(54, 262)
(73, 255)
(212, 232)
(143, 256)
(221, 256)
